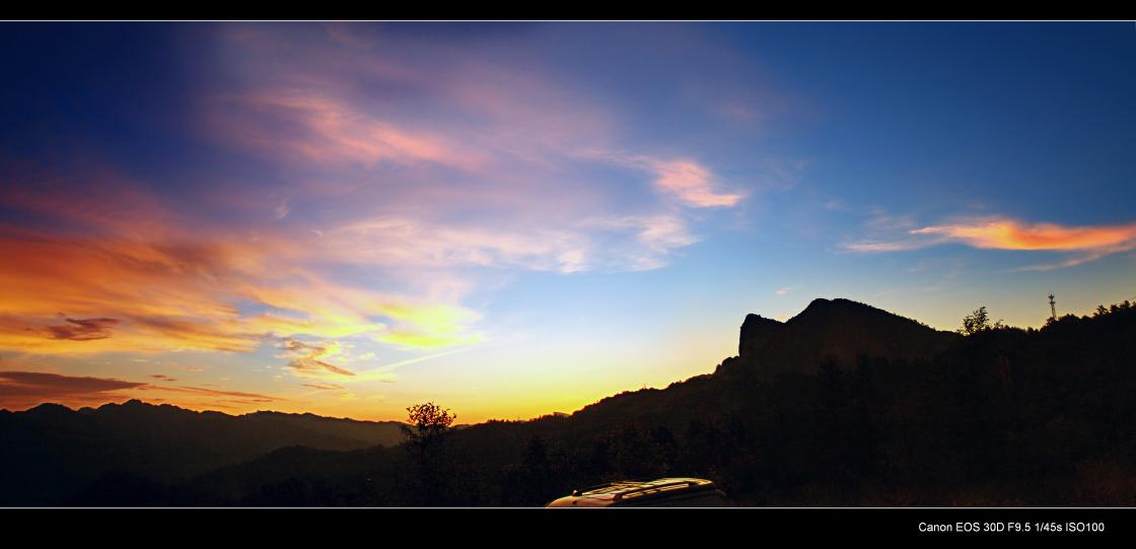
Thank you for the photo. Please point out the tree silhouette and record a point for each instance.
(978, 321)
(429, 425)
(536, 479)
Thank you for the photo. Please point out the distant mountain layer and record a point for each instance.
(50, 449)
(843, 404)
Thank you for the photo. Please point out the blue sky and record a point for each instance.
(520, 218)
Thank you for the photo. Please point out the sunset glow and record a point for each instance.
(520, 219)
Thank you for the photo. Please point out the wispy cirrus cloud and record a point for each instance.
(174, 287)
(387, 372)
(325, 130)
(324, 386)
(607, 243)
(360, 197)
(189, 289)
(1086, 243)
(211, 392)
(311, 358)
(876, 246)
(392, 240)
(655, 238)
(511, 144)
(339, 101)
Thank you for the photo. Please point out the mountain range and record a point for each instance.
(51, 449)
(843, 404)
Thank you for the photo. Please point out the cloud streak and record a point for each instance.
(224, 295)
(691, 184)
(21, 385)
(83, 329)
(1010, 234)
(1088, 243)
(310, 358)
(353, 198)
(320, 128)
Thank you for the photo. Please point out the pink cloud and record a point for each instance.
(685, 181)
(692, 184)
(326, 130)
(466, 164)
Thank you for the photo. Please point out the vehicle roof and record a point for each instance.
(630, 491)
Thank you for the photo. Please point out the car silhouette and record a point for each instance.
(663, 492)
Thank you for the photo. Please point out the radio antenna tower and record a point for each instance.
(1052, 308)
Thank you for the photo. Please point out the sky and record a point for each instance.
(516, 219)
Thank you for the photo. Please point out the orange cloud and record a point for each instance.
(142, 276)
(172, 284)
(1009, 234)
(82, 295)
(1000, 233)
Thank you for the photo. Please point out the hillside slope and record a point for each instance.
(844, 404)
(50, 449)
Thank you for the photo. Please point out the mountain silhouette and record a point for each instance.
(839, 331)
(843, 404)
(51, 448)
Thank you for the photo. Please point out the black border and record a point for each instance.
(540, 527)
(742, 527)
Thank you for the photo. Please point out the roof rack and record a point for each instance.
(652, 489)
(581, 491)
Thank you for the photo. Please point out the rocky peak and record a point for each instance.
(755, 333)
(835, 329)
